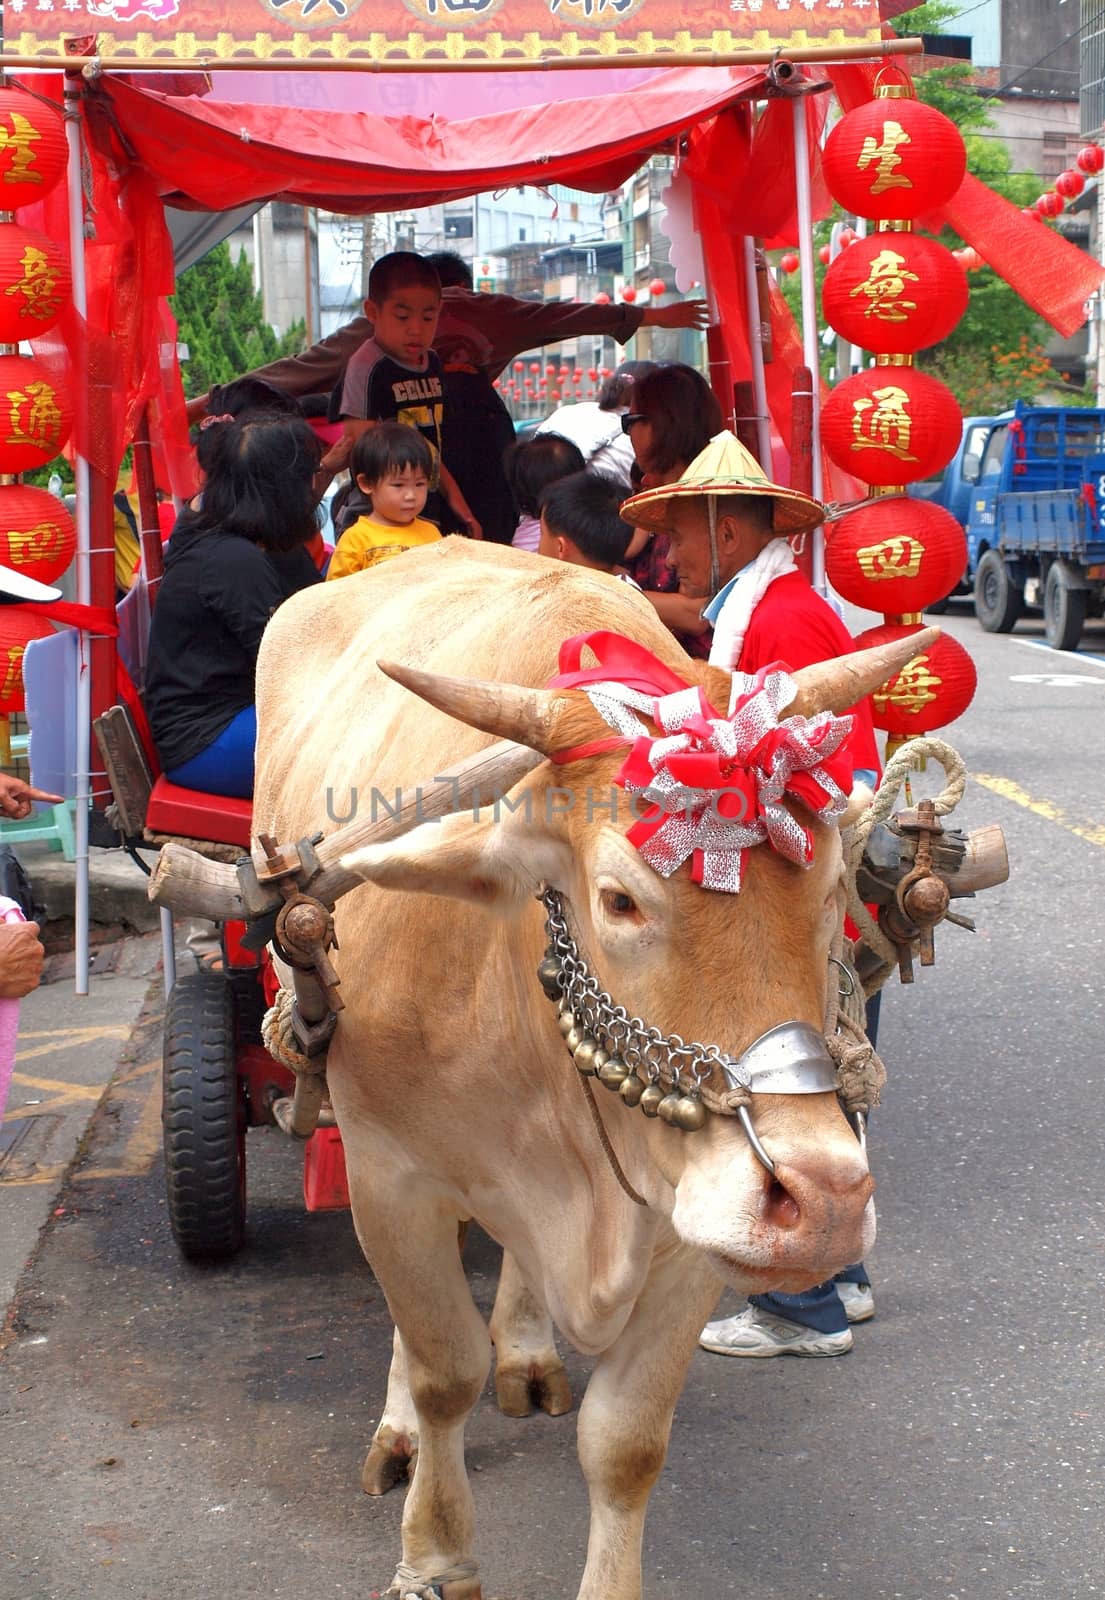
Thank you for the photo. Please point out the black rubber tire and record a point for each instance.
(1064, 611)
(938, 607)
(998, 601)
(203, 1123)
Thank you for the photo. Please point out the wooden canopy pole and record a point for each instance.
(95, 65)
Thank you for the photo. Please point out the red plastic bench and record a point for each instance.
(191, 814)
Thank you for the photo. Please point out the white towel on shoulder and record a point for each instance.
(774, 561)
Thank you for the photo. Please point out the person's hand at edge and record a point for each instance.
(21, 958)
(17, 797)
(685, 314)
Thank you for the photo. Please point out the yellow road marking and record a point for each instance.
(67, 1091)
(1092, 832)
(66, 1041)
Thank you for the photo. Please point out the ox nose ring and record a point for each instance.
(754, 1140)
(789, 1059)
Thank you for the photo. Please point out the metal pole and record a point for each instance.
(73, 92)
(811, 345)
(756, 346)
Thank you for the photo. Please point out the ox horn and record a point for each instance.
(504, 709)
(836, 684)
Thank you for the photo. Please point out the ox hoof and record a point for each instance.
(518, 1392)
(390, 1460)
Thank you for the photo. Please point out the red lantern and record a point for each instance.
(825, 254)
(519, 366)
(17, 629)
(1050, 205)
(894, 159)
(657, 287)
(35, 417)
(896, 556)
(33, 151)
(555, 395)
(1090, 160)
(891, 425)
(1070, 185)
(592, 373)
(1030, 211)
(563, 373)
(847, 236)
(605, 372)
(496, 383)
(894, 293)
(535, 366)
(35, 283)
(629, 293)
(602, 299)
(788, 262)
(929, 692)
(37, 536)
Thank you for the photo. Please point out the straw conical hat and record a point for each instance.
(724, 468)
(18, 586)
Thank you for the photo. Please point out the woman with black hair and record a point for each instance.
(227, 568)
(531, 465)
(672, 418)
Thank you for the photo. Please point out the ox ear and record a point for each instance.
(508, 711)
(494, 861)
(840, 682)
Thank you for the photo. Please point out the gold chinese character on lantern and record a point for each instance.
(912, 690)
(13, 672)
(883, 423)
(40, 543)
(38, 286)
(896, 557)
(34, 416)
(20, 138)
(883, 155)
(885, 286)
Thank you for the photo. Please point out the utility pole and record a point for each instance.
(368, 249)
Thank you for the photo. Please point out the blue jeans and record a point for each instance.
(821, 1308)
(226, 766)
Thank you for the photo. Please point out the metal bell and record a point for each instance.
(574, 1038)
(565, 1021)
(548, 973)
(650, 1100)
(614, 1073)
(584, 1055)
(667, 1107)
(689, 1114)
(632, 1088)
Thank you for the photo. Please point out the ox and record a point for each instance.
(449, 1077)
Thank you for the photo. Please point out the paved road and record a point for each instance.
(172, 1432)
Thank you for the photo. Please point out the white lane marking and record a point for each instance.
(1071, 655)
(1057, 680)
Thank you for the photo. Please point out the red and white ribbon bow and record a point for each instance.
(713, 786)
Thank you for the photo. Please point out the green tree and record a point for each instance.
(221, 320)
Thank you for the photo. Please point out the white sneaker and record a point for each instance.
(758, 1333)
(859, 1302)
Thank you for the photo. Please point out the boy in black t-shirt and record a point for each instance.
(395, 376)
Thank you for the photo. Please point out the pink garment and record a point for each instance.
(527, 535)
(9, 1016)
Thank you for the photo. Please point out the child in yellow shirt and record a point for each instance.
(392, 463)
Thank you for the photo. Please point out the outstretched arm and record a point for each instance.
(684, 314)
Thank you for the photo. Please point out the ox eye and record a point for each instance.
(617, 904)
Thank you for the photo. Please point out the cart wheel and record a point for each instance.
(202, 1120)
(998, 601)
(1064, 611)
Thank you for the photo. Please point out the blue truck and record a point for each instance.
(1028, 487)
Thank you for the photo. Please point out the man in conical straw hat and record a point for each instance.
(729, 528)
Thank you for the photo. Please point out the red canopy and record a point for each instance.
(312, 149)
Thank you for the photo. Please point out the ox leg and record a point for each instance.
(394, 1445)
(528, 1369)
(390, 1458)
(625, 1418)
(413, 1252)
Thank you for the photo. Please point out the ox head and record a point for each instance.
(718, 968)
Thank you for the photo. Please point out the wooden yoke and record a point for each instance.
(189, 884)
